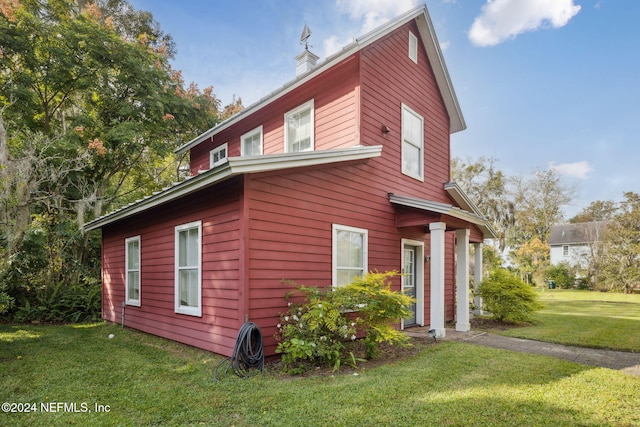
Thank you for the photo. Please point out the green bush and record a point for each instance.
(507, 297)
(319, 328)
(562, 274)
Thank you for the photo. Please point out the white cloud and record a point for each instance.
(575, 170)
(505, 19)
(374, 12)
(369, 14)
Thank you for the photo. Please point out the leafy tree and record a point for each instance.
(538, 202)
(532, 257)
(487, 187)
(90, 112)
(596, 211)
(621, 266)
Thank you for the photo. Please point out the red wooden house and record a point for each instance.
(341, 171)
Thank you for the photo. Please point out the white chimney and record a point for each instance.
(306, 60)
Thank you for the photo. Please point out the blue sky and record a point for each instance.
(541, 83)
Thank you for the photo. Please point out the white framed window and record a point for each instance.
(299, 129)
(350, 253)
(413, 47)
(132, 277)
(188, 276)
(218, 155)
(251, 143)
(412, 143)
(565, 250)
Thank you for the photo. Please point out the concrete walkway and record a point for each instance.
(619, 360)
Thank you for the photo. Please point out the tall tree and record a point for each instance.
(91, 112)
(538, 203)
(71, 71)
(487, 187)
(621, 268)
(597, 210)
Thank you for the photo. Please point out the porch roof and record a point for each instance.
(439, 209)
(237, 166)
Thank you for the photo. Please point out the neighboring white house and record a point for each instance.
(573, 243)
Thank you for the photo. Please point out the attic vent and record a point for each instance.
(306, 60)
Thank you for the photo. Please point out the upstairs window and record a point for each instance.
(565, 250)
(188, 282)
(251, 143)
(349, 254)
(412, 143)
(298, 135)
(218, 156)
(413, 47)
(132, 261)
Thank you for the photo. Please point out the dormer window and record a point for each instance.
(251, 143)
(218, 155)
(298, 135)
(413, 47)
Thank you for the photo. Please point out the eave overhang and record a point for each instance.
(445, 209)
(237, 166)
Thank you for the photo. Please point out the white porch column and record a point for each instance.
(462, 280)
(437, 230)
(477, 278)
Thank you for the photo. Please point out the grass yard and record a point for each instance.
(587, 319)
(146, 380)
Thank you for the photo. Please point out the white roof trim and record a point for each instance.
(461, 198)
(237, 166)
(444, 209)
(429, 39)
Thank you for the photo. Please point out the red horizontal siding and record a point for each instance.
(334, 115)
(219, 212)
(383, 92)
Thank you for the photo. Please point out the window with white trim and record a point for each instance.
(298, 133)
(412, 143)
(251, 143)
(413, 47)
(218, 155)
(132, 278)
(350, 254)
(565, 250)
(188, 274)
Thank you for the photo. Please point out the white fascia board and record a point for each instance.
(436, 59)
(461, 198)
(237, 166)
(427, 33)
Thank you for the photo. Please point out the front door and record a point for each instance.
(409, 280)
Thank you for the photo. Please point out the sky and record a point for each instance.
(541, 83)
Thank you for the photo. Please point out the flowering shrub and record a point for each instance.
(319, 328)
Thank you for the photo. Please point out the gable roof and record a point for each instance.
(434, 54)
(575, 234)
(237, 166)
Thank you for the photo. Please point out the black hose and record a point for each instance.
(247, 358)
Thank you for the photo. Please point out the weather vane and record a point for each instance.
(304, 37)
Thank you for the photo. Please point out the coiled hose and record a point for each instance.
(247, 359)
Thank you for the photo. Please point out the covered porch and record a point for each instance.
(469, 227)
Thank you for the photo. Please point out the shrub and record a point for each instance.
(319, 328)
(508, 298)
(562, 274)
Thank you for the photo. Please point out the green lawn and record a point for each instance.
(587, 319)
(145, 380)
